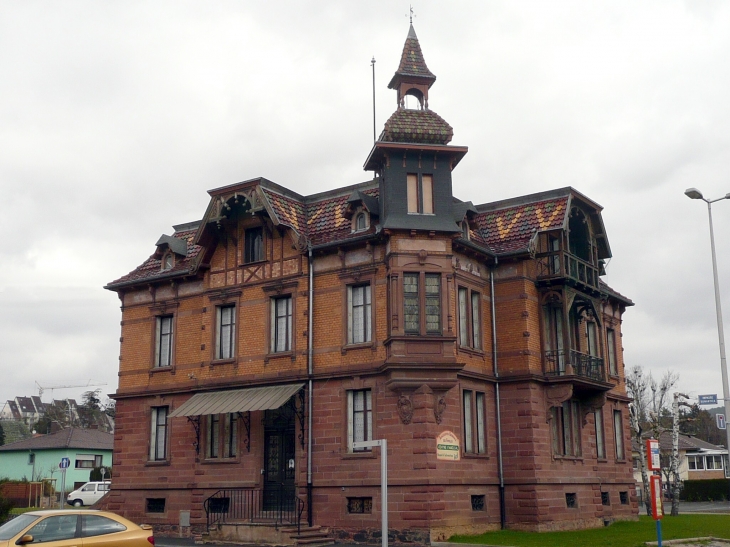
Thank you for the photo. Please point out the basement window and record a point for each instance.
(155, 505)
(571, 500)
(477, 503)
(359, 505)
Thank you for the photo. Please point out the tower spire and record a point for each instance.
(413, 76)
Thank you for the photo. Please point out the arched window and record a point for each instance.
(168, 261)
(361, 222)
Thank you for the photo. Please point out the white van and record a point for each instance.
(88, 494)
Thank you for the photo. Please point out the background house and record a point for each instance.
(39, 457)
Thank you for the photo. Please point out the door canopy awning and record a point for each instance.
(239, 400)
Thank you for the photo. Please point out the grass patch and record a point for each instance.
(619, 534)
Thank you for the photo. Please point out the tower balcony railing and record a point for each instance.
(560, 264)
(573, 363)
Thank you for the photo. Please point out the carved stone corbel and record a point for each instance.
(405, 409)
(439, 407)
(591, 405)
(556, 395)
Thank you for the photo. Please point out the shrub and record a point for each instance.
(706, 490)
(95, 474)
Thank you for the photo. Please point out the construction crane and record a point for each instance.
(90, 383)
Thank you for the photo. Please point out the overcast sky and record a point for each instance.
(117, 117)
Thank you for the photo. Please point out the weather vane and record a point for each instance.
(411, 13)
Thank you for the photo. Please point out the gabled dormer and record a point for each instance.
(412, 156)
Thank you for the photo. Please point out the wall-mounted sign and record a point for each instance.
(653, 459)
(447, 447)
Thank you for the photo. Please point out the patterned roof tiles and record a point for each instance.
(412, 62)
(151, 268)
(417, 126)
(326, 219)
(289, 211)
(511, 228)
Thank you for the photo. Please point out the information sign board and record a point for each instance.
(653, 458)
(707, 399)
(657, 508)
(447, 447)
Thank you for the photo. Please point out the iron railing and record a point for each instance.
(278, 506)
(556, 264)
(571, 362)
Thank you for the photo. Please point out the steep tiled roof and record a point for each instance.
(511, 227)
(326, 220)
(91, 439)
(411, 61)
(151, 269)
(290, 212)
(417, 126)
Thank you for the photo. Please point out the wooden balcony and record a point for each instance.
(561, 266)
(581, 368)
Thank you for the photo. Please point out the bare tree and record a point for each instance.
(650, 412)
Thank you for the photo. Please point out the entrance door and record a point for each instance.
(279, 460)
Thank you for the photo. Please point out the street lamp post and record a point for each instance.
(694, 193)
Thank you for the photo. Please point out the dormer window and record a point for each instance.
(465, 230)
(168, 261)
(361, 222)
(420, 194)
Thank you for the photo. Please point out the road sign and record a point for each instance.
(65, 462)
(707, 399)
(720, 419)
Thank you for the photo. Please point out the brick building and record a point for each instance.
(259, 343)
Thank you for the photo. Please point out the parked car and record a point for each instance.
(88, 494)
(61, 526)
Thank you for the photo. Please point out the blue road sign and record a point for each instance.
(65, 462)
(720, 419)
(708, 399)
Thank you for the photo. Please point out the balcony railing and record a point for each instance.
(559, 264)
(278, 506)
(571, 362)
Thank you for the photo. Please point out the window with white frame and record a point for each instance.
(475, 438)
(281, 324)
(226, 332)
(611, 351)
(158, 433)
(221, 436)
(470, 330)
(422, 303)
(359, 418)
(359, 314)
(600, 437)
(168, 261)
(565, 426)
(163, 352)
(618, 433)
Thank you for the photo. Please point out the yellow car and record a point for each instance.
(67, 528)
